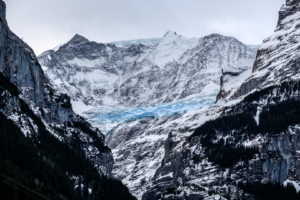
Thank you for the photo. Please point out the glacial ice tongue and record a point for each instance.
(107, 118)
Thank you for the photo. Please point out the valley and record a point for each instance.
(146, 90)
(153, 119)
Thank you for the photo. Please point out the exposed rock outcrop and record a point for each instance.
(278, 57)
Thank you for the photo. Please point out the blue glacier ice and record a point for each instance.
(107, 118)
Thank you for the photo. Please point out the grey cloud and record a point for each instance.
(46, 23)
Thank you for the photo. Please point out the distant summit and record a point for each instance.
(77, 38)
(170, 33)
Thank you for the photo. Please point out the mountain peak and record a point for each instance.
(170, 33)
(292, 2)
(78, 38)
(290, 8)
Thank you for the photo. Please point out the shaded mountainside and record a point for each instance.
(44, 144)
(254, 142)
(46, 165)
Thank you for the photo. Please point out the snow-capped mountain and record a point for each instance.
(149, 89)
(103, 78)
(242, 144)
(169, 69)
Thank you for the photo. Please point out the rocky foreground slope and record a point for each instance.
(67, 156)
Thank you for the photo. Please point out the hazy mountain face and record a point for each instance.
(132, 78)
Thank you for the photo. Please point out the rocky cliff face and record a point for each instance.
(286, 146)
(230, 81)
(277, 58)
(20, 66)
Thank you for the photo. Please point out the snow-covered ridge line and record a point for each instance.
(278, 56)
(144, 74)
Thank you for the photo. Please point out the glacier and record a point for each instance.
(108, 118)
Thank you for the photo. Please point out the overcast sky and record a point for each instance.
(45, 24)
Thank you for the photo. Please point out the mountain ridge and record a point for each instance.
(98, 75)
